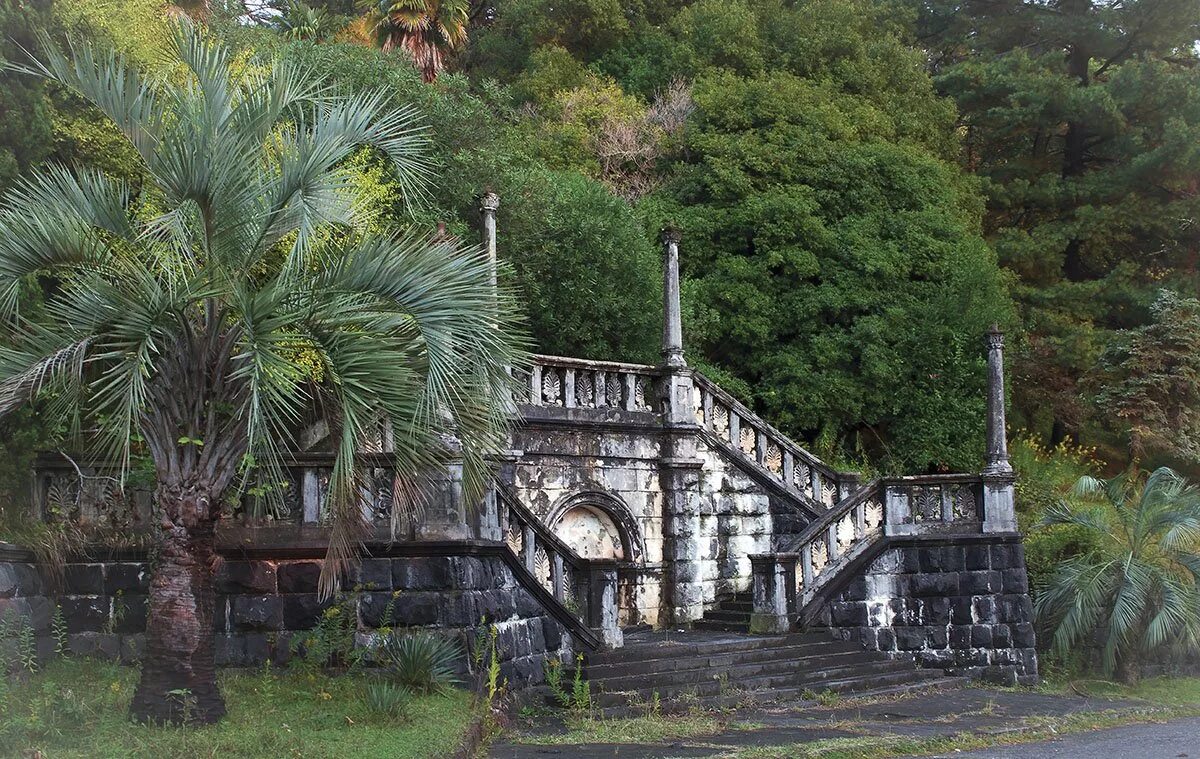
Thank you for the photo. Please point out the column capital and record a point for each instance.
(489, 201)
(994, 338)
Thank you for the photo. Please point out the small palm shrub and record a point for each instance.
(422, 662)
(1137, 589)
(387, 699)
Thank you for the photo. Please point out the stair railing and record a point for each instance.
(584, 588)
(740, 432)
(793, 583)
(559, 382)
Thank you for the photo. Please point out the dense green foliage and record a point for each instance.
(847, 173)
(1082, 117)
(1152, 380)
(1138, 585)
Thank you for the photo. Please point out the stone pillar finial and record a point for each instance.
(489, 203)
(997, 443)
(672, 343)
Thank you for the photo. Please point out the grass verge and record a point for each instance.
(78, 708)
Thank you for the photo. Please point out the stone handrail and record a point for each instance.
(555, 381)
(743, 433)
(789, 584)
(89, 491)
(587, 588)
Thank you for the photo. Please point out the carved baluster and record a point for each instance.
(815, 479)
(832, 540)
(947, 503)
(569, 388)
(528, 546)
(630, 391)
(311, 495)
(706, 400)
(860, 518)
(789, 462)
(735, 431)
(600, 391)
(535, 385)
(556, 576)
(806, 564)
(760, 448)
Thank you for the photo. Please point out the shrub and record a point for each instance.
(387, 699)
(1138, 591)
(422, 662)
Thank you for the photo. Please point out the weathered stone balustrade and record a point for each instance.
(587, 588)
(930, 505)
(570, 383)
(743, 433)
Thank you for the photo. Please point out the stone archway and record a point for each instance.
(597, 526)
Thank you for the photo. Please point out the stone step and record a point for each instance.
(715, 626)
(732, 700)
(746, 607)
(724, 615)
(689, 644)
(671, 663)
(776, 669)
(775, 688)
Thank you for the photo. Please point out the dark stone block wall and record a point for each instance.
(963, 607)
(263, 603)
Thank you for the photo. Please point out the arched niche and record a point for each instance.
(597, 526)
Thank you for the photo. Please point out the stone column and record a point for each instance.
(672, 340)
(488, 205)
(997, 442)
(679, 466)
(999, 508)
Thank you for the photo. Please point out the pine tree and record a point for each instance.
(1082, 117)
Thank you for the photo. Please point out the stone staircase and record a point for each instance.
(677, 671)
(731, 614)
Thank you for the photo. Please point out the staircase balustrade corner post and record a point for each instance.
(603, 608)
(769, 615)
(897, 511)
(999, 503)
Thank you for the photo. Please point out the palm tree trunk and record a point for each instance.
(1128, 669)
(179, 682)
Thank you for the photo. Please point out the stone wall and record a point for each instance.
(957, 604)
(735, 522)
(263, 602)
(617, 457)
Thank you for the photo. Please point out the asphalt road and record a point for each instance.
(1172, 740)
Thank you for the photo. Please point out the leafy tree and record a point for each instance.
(24, 112)
(589, 276)
(1139, 586)
(833, 247)
(1082, 117)
(200, 320)
(1151, 380)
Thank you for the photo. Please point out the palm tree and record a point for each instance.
(426, 29)
(1139, 587)
(236, 293)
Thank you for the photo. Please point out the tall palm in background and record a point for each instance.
(1138, 589)
(201, 320)
(426, 29)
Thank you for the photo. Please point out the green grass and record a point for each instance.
(77, 708)
(652, 728)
